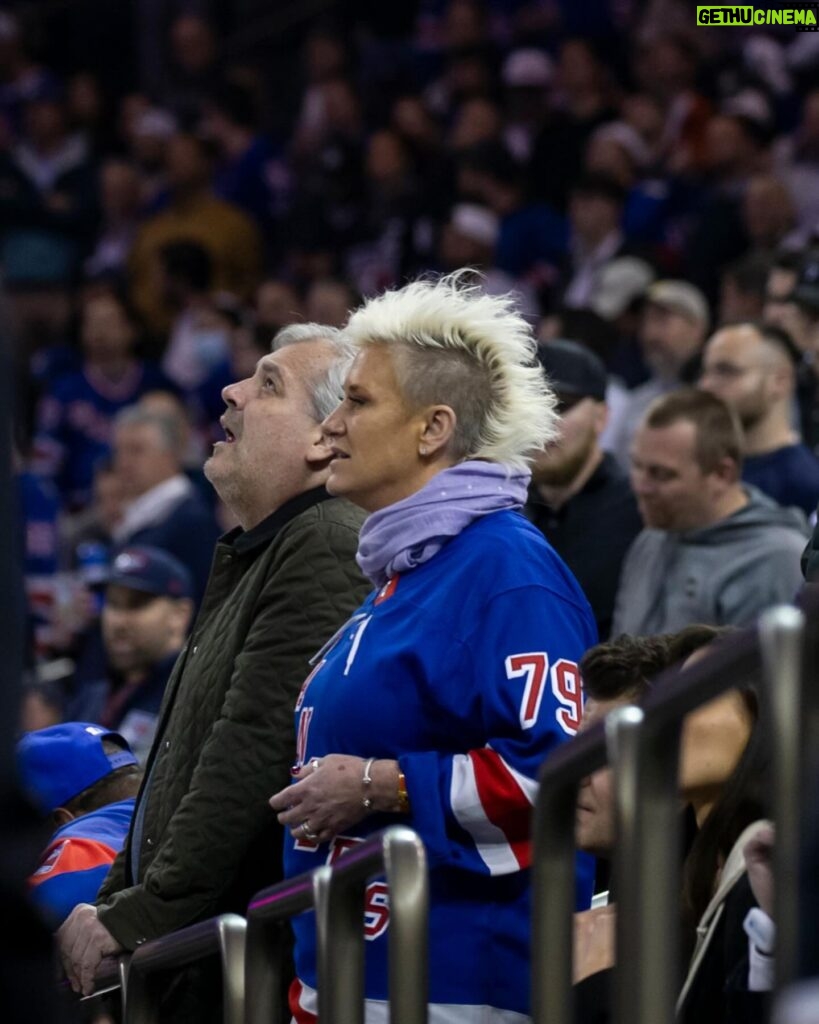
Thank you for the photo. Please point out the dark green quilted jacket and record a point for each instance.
(225, 741)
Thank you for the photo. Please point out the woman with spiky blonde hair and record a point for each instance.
(439, 700)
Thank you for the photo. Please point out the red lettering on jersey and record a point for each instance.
(567, 686)
(533, 666)
(376, 896)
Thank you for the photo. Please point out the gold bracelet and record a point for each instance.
(403, 795)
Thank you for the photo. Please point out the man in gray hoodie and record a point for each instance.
(714, 550)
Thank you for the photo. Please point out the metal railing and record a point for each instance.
(250, 950)
(642, 744)
(337, 895)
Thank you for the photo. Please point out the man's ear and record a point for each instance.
(61, 816)
(320, 450)
(438, 429)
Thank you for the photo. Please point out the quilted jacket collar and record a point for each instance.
(244, 541)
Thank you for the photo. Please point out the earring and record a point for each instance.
(422, 450)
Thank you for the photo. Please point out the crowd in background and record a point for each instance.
(636, 182)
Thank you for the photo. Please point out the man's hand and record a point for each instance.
(83, 942)
(594, 941)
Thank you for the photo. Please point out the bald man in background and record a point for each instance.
(753, 368)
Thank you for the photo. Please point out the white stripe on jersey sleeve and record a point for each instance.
(490, 841)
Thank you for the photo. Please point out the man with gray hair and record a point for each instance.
(203, 839)
(163, 507)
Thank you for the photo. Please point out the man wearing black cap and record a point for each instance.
(805, 297)
(145, 619)
(580, 499)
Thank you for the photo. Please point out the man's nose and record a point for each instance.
(332, 425)
(233, 394)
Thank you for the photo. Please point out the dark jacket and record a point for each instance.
(592, 533)
(204, 838)
(189, 533)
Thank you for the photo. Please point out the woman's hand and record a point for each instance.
(594, 941)
(329, 796)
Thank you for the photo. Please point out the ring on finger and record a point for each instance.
(314, 763)
(306, 831)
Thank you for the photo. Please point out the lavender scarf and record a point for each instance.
(405, 535)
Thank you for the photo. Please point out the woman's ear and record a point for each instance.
(438, 429)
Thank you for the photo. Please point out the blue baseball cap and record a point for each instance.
(151, 571)
(56, 764)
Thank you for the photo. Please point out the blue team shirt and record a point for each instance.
(789, 475)
(76, 861)
(465, 671)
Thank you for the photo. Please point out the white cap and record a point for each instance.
(475, 222)
(155, 123)
(528, 69)
(619, 283)
(628, 138)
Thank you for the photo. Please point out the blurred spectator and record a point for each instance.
(85, 779)
(672, 333)
(804, 318)
(250, 172)
(278, 304)
(580, 499)
(39, 511)
(618, 300)
(96, 523)
(595, 215)
(120, 201)
(532, 237)
(75, 416)
(753, 369)
(329, 302)
(780, 308)
(163, 508)
(41, 706)
(194, 72)
(468, 239)
(146, 615)
(194, 213)
(20, 77)
(147, 131)
(584, 102)
(736, 150)
(477, 120)
(48, 209)
(797, 158)
(527, 75)
(712, 551)
(767, 213)
(394, 238)
(742, 289)
(88, 113)
(198, 338)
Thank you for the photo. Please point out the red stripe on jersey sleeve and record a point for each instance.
(67, 855)
(504, 802)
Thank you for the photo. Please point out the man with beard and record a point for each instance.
(752, 367)
(579, 498)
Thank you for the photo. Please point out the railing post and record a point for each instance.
(647, 866)
(553, 902)
(232, 939)
(406, 869)
(782, 636)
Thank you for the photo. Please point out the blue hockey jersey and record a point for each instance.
(465, 671)
(74, 423)
(76, 861)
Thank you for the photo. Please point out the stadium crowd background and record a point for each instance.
(177, 185)
(179, 182)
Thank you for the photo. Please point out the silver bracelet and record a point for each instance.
(366, 782)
